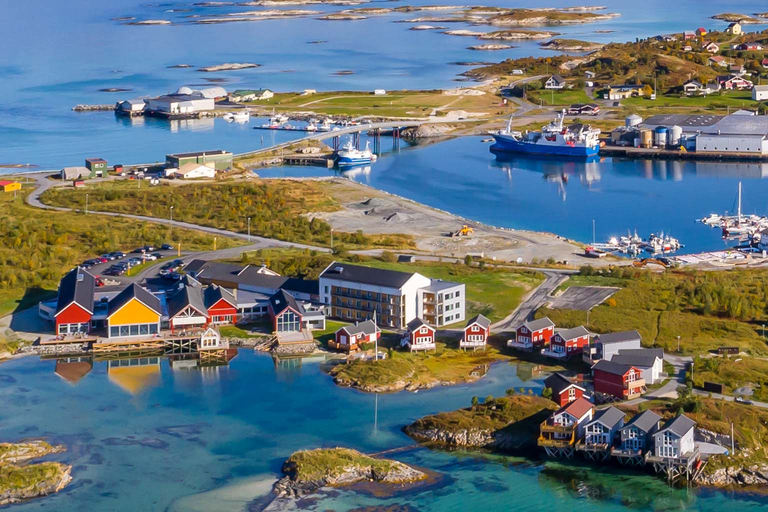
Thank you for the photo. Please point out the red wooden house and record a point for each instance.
(74, 306)
(563, 390)
(535, 333)
(567, 342)
(419, 336)
(221, 305)
(621, 381)
(350, 337)
(476, 332)
(286, 313)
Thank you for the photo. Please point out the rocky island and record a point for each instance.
(21, 481)
(516, 35)
(307, 471)
(572, 45)
(231, 66)
(410, 372)
(734, 17)
(508, 424)
(532, 17)
(488, 47)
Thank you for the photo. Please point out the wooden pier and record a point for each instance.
(595, 452)
(688, 467)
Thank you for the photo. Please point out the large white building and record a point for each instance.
(355, 293)
(186, 101)
(735, 133)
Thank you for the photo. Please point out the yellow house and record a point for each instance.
(734, 28)
(10, 186)
(135, 312)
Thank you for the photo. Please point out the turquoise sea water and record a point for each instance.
(189, 440)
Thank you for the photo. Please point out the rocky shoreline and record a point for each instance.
(308, 471)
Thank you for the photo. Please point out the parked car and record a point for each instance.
(172, 276)
(118, 255)
(99, 281)
(166, 247)
(133, 262)
(103, 260)
(157, 255)
(138, 250)
(108, 256)
(149, 257)
(149, 248)
(178, 263)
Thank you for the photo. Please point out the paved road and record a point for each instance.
(534, 300)
(583, 298)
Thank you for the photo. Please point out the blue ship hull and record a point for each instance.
(353, 161)
(510, 145)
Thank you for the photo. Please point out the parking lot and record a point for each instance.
(115, 266)
(582, 298)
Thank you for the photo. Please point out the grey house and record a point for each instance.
(608, 345)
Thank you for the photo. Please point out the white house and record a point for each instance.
(354, 292)
(185, 101)
(675, 440)
(192, 170)
(602, 430)
(693, 87)
(555, 82)
(608, 345)
(650, 361)
(760, 92)
(74, 173)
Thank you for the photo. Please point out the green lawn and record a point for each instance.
(720, 100)
(562, 97)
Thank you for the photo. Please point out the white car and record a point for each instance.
(150, 257)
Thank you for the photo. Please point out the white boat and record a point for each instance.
(311, 127)
(349, 155)
(662, 244)
(278, 119)
(712, 219)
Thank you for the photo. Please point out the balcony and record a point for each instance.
(550, 428)
(520, 345)
(471, 344)
(592, 447)
(634, 389)
(626, 452)
(553, 354)
(686, 458)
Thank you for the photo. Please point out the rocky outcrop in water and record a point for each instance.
(752, 475)
(309, 470)
(20, 481)
(229, 66)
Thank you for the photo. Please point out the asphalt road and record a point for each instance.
(534, 300)
(583, 298)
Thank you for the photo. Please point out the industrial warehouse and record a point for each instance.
(741, 134)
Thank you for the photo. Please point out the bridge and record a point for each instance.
(349, 130)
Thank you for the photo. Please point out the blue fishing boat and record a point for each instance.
(349, 155)
(577, 140)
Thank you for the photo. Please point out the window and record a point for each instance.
(458, 292)
(288, 322)
(571, 394)
(326, 290)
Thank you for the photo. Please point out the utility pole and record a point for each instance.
(375, 338)
(678, 343)
(331, 239)
(86, 208)
(249, 230)
(171, 210)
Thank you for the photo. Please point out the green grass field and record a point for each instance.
(563, 97)
(721, 100)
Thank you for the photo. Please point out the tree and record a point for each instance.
(647, 90)
(468, 260)
(546, 393)
(475, 401)
(488, 399)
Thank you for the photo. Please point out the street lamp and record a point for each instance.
(171, 210)
(86, 204)
(678, 343)
(249, 229)
(331, 239)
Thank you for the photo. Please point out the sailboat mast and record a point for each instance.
(738, 213)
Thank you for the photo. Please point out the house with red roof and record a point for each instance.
(559, 433)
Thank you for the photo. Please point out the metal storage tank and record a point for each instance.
(660, 136)
(646, 138)
(632, 120)
(675, 134)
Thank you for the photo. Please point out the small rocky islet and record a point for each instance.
(20, 480)
(307, 471)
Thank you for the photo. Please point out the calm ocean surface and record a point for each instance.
(154, 438)
(59, 54)
(462, 176)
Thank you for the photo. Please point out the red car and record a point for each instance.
(103, 260)
(99, 282)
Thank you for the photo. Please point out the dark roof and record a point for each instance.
(609, 417)
(189, 294)
(78, 286)
(283, 300)
(557, 78)
(137, 292)
(249, 275)
(366, 275)
(558, 383)
(641, 357)
(644, 421)
(680, 425)
(618, 337)
(417, 323)
(576, 332)
(479, 320)
(541, 323)
(214, 293)
(611, 367)
(367, 327)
